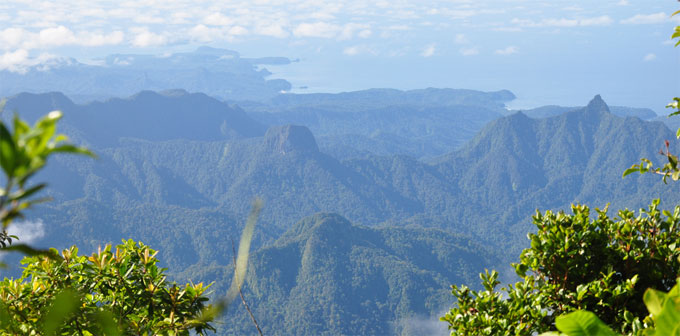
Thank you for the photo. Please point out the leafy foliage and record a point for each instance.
(602, 265)
(671, 168)
(22, 154)
(580, 323)
(106, 293)
(72, 295)
(664, 308)
(664, 316)
(187, 195)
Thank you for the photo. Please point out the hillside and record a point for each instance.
(518, 164)
(147, 115)
(417, 123)
(325, 276)
(554, 110)
(181, 184)
(513, 166)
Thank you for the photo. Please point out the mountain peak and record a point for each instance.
(597, 104)
(310, 224)
(290, 138)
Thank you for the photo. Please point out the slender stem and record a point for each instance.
(243, 299)
(4, 198)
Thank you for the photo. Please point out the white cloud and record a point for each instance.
(603, 20)
(218, 19)
(349, 29)
(11, 38)
(28, 232)
(57, 36)
(317, 29)
(238, 30)
(647, 19)
(508, 29)
(95, 39)
(204, 34)
(509, 50)
(623, 3)
(145, 38)
(461, 39)
(14, 61)
(366, 33)
(469, 51)
(148, 19)
(399, 27)
(429, 51)
(359, 49)
(649, 57)
(351, 51)
(18, 38)
(274, 30)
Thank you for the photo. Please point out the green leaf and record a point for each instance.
(72, 149)
(27, 193)
(666, 322)
(633, 169)
(5, 317)
(63, 305)
(7, 151)
(582, 323)
(107, 323)
(30, 251)
(654, 300)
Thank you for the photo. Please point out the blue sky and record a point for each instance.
(547, 52)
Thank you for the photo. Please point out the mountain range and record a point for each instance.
(387, 233)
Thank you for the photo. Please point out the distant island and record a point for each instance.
(219, 73)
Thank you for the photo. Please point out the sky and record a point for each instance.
(546, 52)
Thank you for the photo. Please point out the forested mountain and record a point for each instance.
(517, 164)
(174, 114)
(325, 276)
(417, 123)
(183, 177)
(217, 72)
(377, 98)
(554, 110)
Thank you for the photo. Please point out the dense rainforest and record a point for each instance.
(374, 238)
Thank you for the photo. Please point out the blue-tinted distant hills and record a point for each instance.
(554, 110)
(216, 72)
(377, 98)
(419, 123)
(148, 115)
(179, 170)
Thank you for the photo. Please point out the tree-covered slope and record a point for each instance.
(187, 193)
(555, 110)
(326, 276)
(146, 115)
(517, 164)
(513, 166)
(418, 123)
